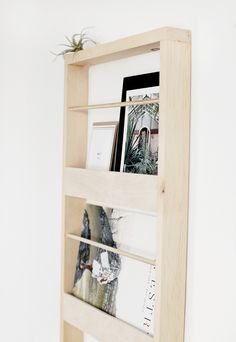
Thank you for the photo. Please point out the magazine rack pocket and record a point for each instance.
(105, 327)
(116, 189)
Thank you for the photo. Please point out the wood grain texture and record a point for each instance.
(173, 199)
(117, 189)
(72, 334)
(76, 124)
(97, 323)
(75, 151)
(127, 47)
(74, 213)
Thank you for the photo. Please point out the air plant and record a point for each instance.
(75, 43)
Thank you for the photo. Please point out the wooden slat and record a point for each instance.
(127, 47)
(113, 250)
(100, 325)
(173, 199)
(74, 213)
(116, 189)
(75, 127)
(74, 154)
(113, 104)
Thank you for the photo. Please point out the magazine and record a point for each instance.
(118, 285)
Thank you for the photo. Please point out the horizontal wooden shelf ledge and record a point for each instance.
(127, 47)
(112, 249)
(114, 104)
(99, 324)
(114, 189)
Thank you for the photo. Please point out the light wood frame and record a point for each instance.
(165, 194)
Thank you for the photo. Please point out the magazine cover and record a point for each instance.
(120, 286)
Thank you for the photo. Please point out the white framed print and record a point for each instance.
(101, 147)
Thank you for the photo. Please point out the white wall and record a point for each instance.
(31, 113)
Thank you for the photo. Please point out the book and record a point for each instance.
(118, 285)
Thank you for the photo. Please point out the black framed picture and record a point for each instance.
(137, 143)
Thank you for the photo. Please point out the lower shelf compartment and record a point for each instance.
(100, 325)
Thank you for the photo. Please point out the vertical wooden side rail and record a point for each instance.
(175, 75)
(75, 149)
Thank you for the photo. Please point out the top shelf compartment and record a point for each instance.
(127, 47)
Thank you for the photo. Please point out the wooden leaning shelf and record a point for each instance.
(165, 195)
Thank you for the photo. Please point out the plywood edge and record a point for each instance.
(100, 325)
(118, 189)
(176, 34)
(127, 47)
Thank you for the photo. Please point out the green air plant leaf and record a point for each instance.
(75, 43)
